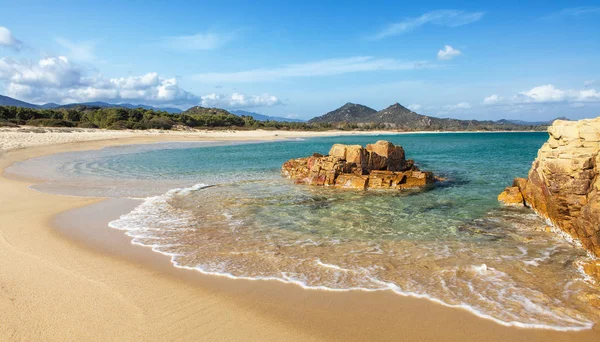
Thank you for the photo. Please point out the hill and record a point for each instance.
(111, 105)
(401, 116)
(350, 112)
(262, 117)
(198, 110)
(529, 123)
(397, 116)
(9, 101)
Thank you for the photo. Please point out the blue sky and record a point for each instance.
(521, 60)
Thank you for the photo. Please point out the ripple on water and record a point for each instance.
(453, 245)
(502, 266)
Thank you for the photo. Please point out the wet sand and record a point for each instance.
(64, 275)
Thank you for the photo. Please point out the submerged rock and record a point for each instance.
(378, 166)
(563, 184)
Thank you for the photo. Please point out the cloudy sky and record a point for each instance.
(520, 60)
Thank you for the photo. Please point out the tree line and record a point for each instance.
(119, 118)
(139, 118)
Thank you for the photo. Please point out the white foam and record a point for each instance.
(142, 218)
(335, 267)
(481, 269)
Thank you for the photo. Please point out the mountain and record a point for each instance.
(9, 101)
(399, 117)
(395, 115)
(112, 105)
(262, 117)
(198, 110)
(533, 123)
(49, 105)
(171, 110)
(350, 112)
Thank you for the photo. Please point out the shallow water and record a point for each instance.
(233, 215)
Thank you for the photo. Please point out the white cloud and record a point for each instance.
(547, 94)
(79, 51)
(327, 67)
(574, 12)
(448, 52)
(47, 72)
(544, 93)
(198, 41)
(587, 95)
(589, 83)
(492, 99)
(415, 107)
(238, 101)
(8, 40)
(578, 11)
(445, 18)
(57, 79)
(458, 106)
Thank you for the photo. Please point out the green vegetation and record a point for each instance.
(393, 118)
(139, 118)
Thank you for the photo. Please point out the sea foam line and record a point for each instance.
(149, 206)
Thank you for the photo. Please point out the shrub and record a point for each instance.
(4, 123)
(49, 123)
(87, 124)
(160, 123)
(119, 125)
(140, 125)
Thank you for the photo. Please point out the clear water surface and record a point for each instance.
(224, 209)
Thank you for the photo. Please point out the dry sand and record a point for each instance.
(86, 282)
(22, 137)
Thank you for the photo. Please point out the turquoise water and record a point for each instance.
(226, 210)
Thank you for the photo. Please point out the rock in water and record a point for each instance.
(378, 166)
(512, 196)
(563, 184)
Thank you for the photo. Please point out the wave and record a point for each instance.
(148, 222)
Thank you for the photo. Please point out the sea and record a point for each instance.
(224, 209)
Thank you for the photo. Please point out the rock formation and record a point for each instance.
(563, 184)
(378, 166)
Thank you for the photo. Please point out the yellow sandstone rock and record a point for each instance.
(564, 181)
(379, 166)
(511, 196)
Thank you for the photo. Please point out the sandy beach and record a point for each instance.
(64, 275)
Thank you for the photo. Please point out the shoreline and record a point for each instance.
(62, 135)
(263, 310)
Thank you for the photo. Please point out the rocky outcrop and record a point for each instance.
(378, 166)
(563, 184)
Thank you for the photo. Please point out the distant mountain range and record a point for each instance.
(395, 116)
(262, 117)
(399, 117)
(529, 123)
(9, 101)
